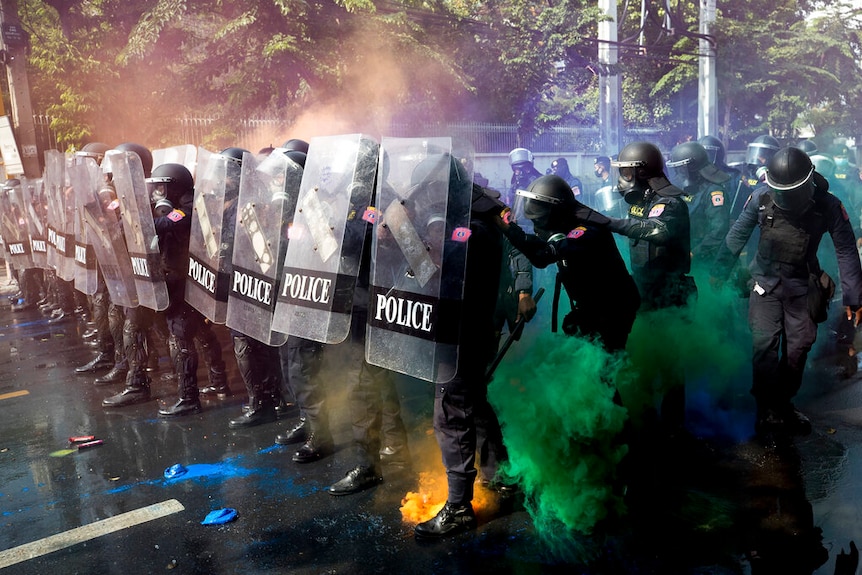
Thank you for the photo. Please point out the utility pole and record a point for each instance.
(14, 57)
(707, 91)
(610, 95)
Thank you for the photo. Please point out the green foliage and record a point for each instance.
(110, 68)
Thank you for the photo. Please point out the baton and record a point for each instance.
(516, 334)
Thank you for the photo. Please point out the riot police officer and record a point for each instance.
(173, 184)
(759, 151)
(737, 189)
(793, 211)
(658, 227)
(135, 321)
(523, 172)
(258, 363)
(578, 241)
(560, 167)
(706, 196)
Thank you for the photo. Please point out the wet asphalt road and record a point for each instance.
(713, 506)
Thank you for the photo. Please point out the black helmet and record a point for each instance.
(296, 144)
(95, 150)
(233, 170)
(546, 203)
(297, 157)
(234, 154)
(637, 163)
(761, 150)
(434, 182)
(714, 149)
(807, 146)
(170, 182)
(142, 152)
(560, 167)
(691, 163)
(646, 158)
(790, 175)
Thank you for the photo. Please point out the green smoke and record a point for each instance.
(560, 424)
(707, 343)
(554, 396)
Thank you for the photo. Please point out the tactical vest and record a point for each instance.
(784, 239)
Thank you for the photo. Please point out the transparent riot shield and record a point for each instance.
(327, 236)
(419, 259)
(105, 229)
(186, 154)
(260, 240)
(211, 240)
(37, 219)
(85, 178)
(139, 229)
(16, 233)
(54, 182)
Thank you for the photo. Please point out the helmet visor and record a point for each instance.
(758, 154)
(681, 173)
(795, 200)
(158, 189)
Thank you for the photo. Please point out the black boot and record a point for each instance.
(129, 396)
(263, 412)
(218, 385)
(357, 479)
(101, 361)
(296, 434)
(181, 407)
(222, 392)
(451, 519)
(319, 444)
(116, 375)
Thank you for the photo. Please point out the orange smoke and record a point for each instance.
(424, 504)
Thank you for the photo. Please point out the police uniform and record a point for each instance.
(660, 245)
(184, 322)
(463, 417)
(603, 304)
(709, 217)
(786, 256)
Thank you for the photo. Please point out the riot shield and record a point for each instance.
(184, 154)
(139, 229)
(327, 235)
(85, 178)
(260, 241)
(16, 233)
(37, 219)
(61, 223)
(105, 229)
(419, 259)
(211, 241)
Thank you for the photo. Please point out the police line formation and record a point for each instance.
(398, 245)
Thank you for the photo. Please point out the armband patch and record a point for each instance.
(656, 210)
(461, 234)
(176, 215)
(576, 233)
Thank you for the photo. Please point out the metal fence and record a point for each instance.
(486, 138)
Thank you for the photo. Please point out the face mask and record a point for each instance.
(629, 187)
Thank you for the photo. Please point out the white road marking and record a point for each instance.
(86, 532)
